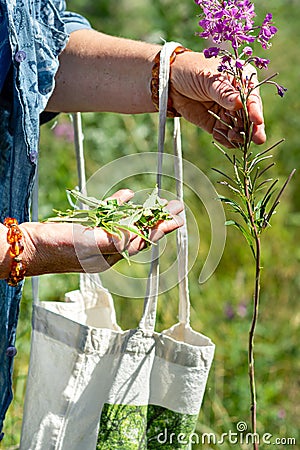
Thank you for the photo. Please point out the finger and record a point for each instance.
(122, 242)
(235, 136)
(157, 232)
(136, 245)
(255, 110)
(224, 93)
(197, 113)
(164, 227)
(175, 207)
(258, 134)
(123, 195)
(227, 130)
(221, 136)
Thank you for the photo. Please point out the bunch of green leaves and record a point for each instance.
(114, 217)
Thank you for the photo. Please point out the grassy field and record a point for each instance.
(221, 308)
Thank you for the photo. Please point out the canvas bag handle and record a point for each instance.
(147, 322)
(87, 281)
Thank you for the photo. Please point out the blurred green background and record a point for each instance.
(221, 308)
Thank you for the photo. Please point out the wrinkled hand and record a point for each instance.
(197, 87)
(133, 243)
(66, 247)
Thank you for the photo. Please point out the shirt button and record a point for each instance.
(20, 56)
(33, 156)
(11, 351)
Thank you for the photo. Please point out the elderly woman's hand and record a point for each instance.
(197, 87)
(66, 247)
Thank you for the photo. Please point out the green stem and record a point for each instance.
(256, 295)
(251, 360)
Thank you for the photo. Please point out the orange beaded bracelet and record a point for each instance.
(171, 111)
(14, 239)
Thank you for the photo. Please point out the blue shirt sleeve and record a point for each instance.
(74, 22)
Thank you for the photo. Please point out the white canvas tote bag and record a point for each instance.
(93, 386)
(100, 387)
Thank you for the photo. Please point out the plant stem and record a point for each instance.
(256, 294)
(256, 297)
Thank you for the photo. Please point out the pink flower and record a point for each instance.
(64, 131)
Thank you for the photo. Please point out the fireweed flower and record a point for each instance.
(232, 21)
(267, 31)
(248, 51)
(239, 64)
(261, 63)
(281, 90)
(211, 52)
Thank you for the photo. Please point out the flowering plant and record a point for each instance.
(232, 22)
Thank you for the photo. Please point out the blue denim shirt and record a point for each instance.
(38, 31)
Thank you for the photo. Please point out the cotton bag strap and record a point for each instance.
(88, 281)
(147, 322)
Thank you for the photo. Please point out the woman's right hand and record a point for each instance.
(197, 87)
(66, 247)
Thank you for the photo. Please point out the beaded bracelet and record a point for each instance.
(171, 111)
(14, 238)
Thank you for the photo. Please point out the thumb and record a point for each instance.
(224, 93)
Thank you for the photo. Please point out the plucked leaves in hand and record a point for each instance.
(116, 218)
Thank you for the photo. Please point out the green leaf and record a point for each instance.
(152, 199)
(269, 193)
(125, 255)
(256, 161)
(132, 229)
(270, 148)
(233, 189)
(223, 152)
(265, 170)
(244, 232)
(223, 174)
(133, 218)
(236, 207)
(89, 201)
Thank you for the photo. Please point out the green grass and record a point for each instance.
(221, 308)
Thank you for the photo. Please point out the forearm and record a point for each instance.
(104, 73)
(66, 247)
(59, 248)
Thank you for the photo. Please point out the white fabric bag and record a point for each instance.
(146, 386)
(93, 386)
